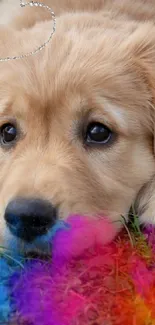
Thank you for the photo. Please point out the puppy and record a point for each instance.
(77, 119)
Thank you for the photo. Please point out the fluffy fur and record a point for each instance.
(99, 66)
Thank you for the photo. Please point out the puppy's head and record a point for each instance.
(76, 124)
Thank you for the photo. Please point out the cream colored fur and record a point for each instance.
(8, 10)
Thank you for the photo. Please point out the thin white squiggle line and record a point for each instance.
(41, 47)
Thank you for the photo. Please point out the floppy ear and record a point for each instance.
(141, 45)
(142, 42)
(145, 203)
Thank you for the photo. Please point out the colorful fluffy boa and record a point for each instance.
(88, 281)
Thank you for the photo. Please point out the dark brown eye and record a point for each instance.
(98, 133)
(8, 133)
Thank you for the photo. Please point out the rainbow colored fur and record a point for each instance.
(87, 282)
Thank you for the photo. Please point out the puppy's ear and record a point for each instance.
(145, 203)
(142, 45)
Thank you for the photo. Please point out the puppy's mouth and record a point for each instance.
(38, 249)
(41, 247)
(33, 255)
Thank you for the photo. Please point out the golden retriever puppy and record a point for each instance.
(77, 119)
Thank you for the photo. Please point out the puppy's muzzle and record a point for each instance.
(30, 218)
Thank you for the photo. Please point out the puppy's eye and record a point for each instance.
(98, 133)
(8, 133)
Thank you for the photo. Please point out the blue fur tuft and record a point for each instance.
(5, 273)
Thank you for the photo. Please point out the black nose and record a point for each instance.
(29, 218)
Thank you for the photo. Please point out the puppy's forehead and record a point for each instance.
(78, 57)
(73, 75)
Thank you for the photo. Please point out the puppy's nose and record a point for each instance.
(30, 218)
